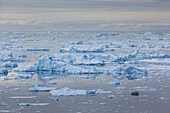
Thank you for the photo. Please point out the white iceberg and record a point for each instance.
(63, 64)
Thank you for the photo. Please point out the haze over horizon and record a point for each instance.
(85, 15)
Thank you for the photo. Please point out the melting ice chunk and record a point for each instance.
(73, 92)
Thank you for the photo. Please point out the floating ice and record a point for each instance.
(4, 71)
(116, 83)
(24, 97)
(82, 48)
(51, 63)
(1, 91)
(37, 88)
(103, 104)
(25, 76)
(7, 111)
(131, 73)
(24, 69)
(4, 55)
(17, 89)
(73, 92)
(8, 56)
(37, 49)
(111, 96)
(10, 64)
(33, 104)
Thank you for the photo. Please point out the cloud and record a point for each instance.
(83, 14)
(83, 26)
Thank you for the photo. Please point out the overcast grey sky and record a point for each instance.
(84, 15)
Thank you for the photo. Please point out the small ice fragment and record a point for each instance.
(162, 98)
(132, 107)
(17, 89)
(24, 97)
(33, 104)
(24, 69)
(6, 111)
(116, 83)
(103, 104)
(7, 87)
(56, 99)
(9, 64)
(135, 93)
(52, 83)
(37, 49)
(6, 78)
(3, 104)
(41, 89)
(25, 76)
(3, 71)
(111, 96)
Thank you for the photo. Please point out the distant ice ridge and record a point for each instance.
(139, 54)
(73, 92)
(82, 48)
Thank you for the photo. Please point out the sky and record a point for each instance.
(85, 15)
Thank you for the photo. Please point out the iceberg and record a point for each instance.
(63, 65)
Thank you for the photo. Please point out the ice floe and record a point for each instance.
(73, 92)
(24, 69)
(37, 88)
(38, 49)
(130, 72)
(23, 97)
(33, 104)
